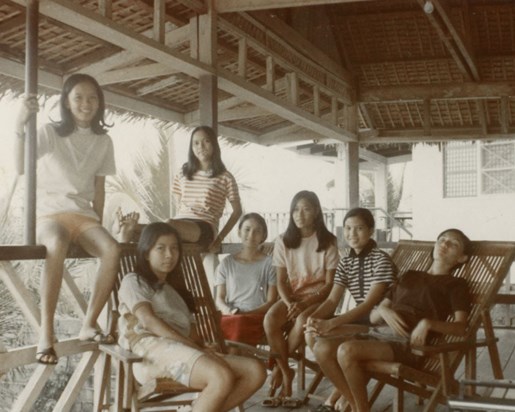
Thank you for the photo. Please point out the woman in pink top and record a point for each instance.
(306, 257)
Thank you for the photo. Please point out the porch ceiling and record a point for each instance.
(292, 72)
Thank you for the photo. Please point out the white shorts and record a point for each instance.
(164, 358)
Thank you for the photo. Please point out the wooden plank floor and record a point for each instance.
(384, 403)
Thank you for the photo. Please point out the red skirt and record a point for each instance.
(245, 328)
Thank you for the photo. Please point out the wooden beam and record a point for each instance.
(237, 134)
(17, 357)
(133, 73)
(467, 90)
(231, 6)
(96, 25)
(194, 116)
(370, 156)
(437, 135)
(291, 59)
(242, 57)
(105, 7)
(270, 21)
(30, 392)
(76, 382)
(173, 38)
(238, 113)
(264, 99)
(504, 114)
(55, 82)
(159, 20)
(449, 36)
(156, 86)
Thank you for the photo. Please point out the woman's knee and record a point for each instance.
(257, 371)
(323, 349)
(348, 353)
(273, 320)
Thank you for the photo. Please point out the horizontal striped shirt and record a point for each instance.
(358, 273)
(204, 197)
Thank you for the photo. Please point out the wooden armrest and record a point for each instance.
(428, 350)
(117, 352)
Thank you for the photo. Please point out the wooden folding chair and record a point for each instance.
(434, 380)
(484, 272)
(129, 395)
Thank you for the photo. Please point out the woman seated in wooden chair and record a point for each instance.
(246, 284)
(415, 309)
(156, 324)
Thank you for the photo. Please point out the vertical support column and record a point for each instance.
(159, 20)
(208, 83)
(381, 194)
(347, 175)
(351, 120)
(31, 89)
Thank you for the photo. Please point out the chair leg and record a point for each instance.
(313, 386)
(398, 401)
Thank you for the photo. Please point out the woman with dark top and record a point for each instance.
(414, 310)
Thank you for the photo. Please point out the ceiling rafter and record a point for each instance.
(92, 23)
(439, 18)
(231, 6)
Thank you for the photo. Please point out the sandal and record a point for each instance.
(293, 403)
(99, 337)
(272, 402)
(47, 356)
(324, 408)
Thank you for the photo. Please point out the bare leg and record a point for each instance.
(189, 231)
(325, 351)
(56, 240)
(350, 355)
(225, 382)
(98, 242)
(274, 320)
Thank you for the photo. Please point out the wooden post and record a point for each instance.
(31, 89)
(208, 83)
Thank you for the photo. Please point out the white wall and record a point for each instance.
(484, 217)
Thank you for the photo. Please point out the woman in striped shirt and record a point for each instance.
(200, 191)
(367, 272)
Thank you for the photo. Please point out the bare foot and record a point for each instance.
(126, 225)
(286, 389)
(275, 380)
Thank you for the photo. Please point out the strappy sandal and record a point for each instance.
(294, 403)
(99, 337)
(272, 402)
(44, 355)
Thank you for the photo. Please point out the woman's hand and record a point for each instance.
(419, 334)
(294, 309)
(28, 108)
(393, 320)
(319, 327)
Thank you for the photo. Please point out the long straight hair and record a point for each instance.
(192, 166)
(149, 236)
(292, 236)
(67, 124)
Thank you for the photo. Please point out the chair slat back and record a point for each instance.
(207, 318)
